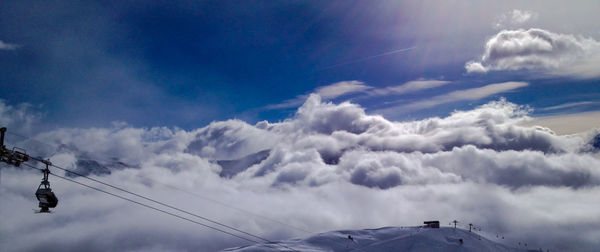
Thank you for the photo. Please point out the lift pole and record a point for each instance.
(2, 131)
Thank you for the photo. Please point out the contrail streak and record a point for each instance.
(368, 58)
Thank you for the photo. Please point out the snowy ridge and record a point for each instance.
(406, 239)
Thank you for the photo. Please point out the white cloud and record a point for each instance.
(230, 139)
(475, 67)
(20, 116)
(328, 92)
(341, 88)
(569, 105)
(568, 123)
(409, 87)
(461, 95)
(8, 46)
(539, 50)
(515, 18)
(479, 166)
(522, 16)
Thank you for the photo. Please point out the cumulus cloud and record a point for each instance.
(8, 46)
(539, 50)
(476, 67)
(230, 139)
(325, 167)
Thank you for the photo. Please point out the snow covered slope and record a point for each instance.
(407, 239)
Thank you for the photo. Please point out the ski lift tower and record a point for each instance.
(12, 157)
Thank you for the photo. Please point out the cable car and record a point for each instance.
(44, 193)
(16, 157)
(46, 198)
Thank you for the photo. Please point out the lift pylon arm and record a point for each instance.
(11, 157)
(44, 193)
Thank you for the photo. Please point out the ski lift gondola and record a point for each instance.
(44, 193)
(16, 157)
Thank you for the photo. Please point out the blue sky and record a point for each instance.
(185, 64)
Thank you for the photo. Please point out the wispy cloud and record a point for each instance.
(515, 17)
(566, 124)
(328, 92)
(342, 88)
(8, 46)
(461, 95)
(569, 105)
(368, 58)
(409, 87)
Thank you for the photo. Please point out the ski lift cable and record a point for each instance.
(154, 208)
(154, 201)
(166, 212)
(157, 202)
(163, 204)
(146, 205)
(232, 207)
(179, 189)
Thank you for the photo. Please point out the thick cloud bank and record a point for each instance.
(538, 49)
(331, 166)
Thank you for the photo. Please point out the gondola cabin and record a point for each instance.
(44, 193)
(46, 199)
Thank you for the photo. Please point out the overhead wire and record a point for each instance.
(157, 202)
(179, 189)
(145, 205)
(270, 243)
(149, 199)
(232, 207)
(169, 206)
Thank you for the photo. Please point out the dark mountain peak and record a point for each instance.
(86, 166)
(596, 142)
(232, 167)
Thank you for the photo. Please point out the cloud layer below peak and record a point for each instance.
(478, 165)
